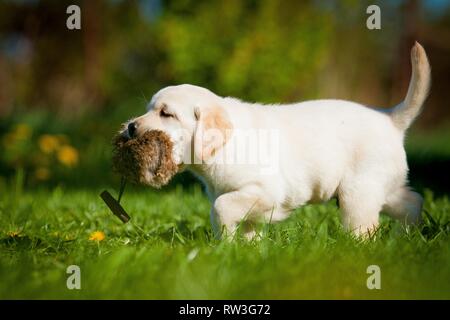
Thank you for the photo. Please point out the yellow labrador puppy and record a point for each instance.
(260, 162)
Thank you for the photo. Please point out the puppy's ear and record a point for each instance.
(212, 133)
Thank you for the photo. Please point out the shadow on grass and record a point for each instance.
(431, 172)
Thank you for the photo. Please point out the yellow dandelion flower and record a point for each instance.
(13, 234)
(22, 131)
(97, 236)
(48, 143)
(42, 173)
(68, 156)
(19, 133)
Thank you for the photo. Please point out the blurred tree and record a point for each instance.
(92, 48)
(267, 50)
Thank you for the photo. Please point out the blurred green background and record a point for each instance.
(64, 93)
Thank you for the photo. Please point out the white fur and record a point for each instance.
(326, 148)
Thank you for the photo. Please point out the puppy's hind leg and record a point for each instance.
(404, 205)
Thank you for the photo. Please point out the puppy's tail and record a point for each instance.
(405, 113)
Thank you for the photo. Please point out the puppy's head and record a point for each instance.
(193, 118)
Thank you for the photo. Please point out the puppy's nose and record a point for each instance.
(132, 127)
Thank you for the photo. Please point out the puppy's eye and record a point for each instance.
(164, 114)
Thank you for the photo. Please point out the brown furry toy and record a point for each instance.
(146, 159)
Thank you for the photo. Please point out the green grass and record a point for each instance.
(167, 251)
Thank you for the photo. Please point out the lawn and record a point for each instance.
(167, 251)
